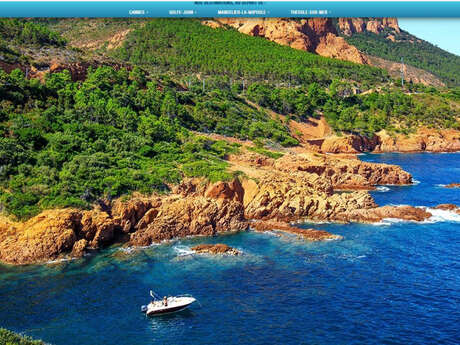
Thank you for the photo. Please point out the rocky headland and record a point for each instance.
(316, 135)
(424, 140)
(271, 194)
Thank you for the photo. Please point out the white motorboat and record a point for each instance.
(166, 305)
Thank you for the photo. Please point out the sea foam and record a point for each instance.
(183, 251)
(442, 216)
(438, 216)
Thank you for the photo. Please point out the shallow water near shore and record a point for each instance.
(392, 283)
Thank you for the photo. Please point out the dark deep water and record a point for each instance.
(392, 283)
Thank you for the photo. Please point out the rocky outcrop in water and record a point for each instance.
(377, 214)
(448, 207)
(41, 238)
(297, 196)
(292, 188)
(196, 216)
(308, 234)
(216, 249)
(139, 221)
(345, 173)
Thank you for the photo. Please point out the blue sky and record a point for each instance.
(443, 32)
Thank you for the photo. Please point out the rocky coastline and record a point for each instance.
(424, 140)
(270, 195)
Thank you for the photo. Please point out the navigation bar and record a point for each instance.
(194, 9)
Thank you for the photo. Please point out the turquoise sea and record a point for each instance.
(390, 283)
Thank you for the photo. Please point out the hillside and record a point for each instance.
(186, 47)
(92, 124)
(370, 41)
(392, 45)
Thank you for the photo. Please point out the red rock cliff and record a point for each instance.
(349, 26)
(317, 35)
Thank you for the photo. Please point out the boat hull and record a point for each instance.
(174, 304)
(166, 311)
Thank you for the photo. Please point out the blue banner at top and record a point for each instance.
(187, 9)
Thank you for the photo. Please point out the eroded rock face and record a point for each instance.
(349, 26)
(41, 238)
(215, 249)
(348, 144)
(296, 196)
(179, 217)
(425, 139)
(317, 35)
(344, 173)
(431, 140)
(226, 190)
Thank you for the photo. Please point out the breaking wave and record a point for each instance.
(183, 251)
(438, 216)
(60, 260)
(443, 216)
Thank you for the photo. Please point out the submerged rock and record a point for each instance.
(215, 249)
